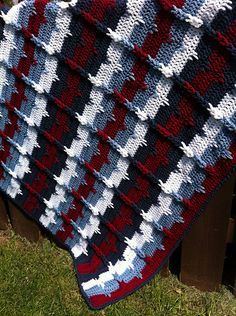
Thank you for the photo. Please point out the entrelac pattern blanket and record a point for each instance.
(117, 123)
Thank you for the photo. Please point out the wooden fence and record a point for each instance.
(205, 259)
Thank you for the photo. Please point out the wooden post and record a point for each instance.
(230, 230)
(203, 250)
(22, 225)
(165, 271)
(4, 220)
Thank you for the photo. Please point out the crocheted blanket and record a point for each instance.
(117, 123)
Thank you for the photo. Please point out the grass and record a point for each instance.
(38, 280)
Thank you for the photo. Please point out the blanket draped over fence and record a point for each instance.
(117, 123)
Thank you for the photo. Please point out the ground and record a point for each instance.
(38, 280)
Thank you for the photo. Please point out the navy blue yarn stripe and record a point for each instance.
(1, 28)
(78, 102)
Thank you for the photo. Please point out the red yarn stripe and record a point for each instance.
(151, 45)
(169, 4)
(222, 170)
(230, 35)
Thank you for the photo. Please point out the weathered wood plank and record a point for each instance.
(203, 250)
(4, 220)
(22, 225)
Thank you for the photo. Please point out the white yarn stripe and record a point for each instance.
(65, 5)
(8, 43)
(210, 8)
(6, 47)
(228, 102)
(125, 27)
(211, 129)
(178, 61)
(117, 175)
(39, 109)
(199, 144)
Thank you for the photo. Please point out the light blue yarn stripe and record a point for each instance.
(14, 60)
(166, 52)
(192, 7)
(35, 75)
(14, 57)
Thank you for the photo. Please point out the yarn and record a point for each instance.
(117, 124)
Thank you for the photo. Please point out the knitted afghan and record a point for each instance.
(117, 124)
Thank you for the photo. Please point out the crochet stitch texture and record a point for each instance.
(117, 123)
